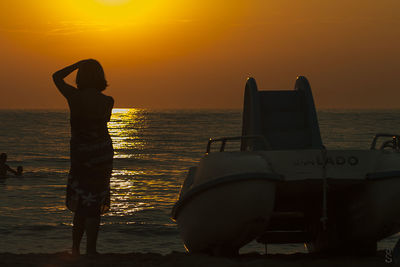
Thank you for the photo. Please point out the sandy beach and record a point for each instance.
(184, 259)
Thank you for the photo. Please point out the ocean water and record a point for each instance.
(153, 150)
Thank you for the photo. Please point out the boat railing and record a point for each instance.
(394, 143)
(223, 141)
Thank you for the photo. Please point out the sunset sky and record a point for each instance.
(198, 54)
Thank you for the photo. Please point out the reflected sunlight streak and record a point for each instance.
(124, 127)
(136, 186)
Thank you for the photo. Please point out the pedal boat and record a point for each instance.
(284, 186)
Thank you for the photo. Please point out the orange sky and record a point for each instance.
(197, 54)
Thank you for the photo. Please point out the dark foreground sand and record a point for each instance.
(182, 259)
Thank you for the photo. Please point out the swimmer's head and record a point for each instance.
(20, 169)
(3, 157)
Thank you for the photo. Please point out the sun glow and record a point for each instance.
(147, 30)
(114, 2)
(115, 12)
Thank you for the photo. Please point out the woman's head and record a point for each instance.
(91, 75)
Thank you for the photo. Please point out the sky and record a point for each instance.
(198, 53)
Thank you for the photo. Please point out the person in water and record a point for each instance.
(20, 169)
(4, 168)
(91, 150)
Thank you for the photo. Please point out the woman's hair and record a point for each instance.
(91, 75)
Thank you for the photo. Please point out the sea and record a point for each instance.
(153, 151)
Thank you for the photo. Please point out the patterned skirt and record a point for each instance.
(88, 188)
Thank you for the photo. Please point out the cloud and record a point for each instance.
(77, 27)
(60, 28)
(17, 30)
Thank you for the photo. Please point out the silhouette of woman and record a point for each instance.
(91, 150)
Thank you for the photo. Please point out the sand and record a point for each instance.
(182, 259)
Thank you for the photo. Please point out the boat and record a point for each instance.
(282, 185)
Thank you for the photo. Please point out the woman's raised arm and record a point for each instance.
(58, 78)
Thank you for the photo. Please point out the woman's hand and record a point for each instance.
(81, 62)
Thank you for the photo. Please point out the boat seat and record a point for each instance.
(286, 119)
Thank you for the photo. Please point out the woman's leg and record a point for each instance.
(78, 229)
(92, 225)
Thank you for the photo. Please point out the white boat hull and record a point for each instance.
(376, 214)
(226, 217)
(361, 198)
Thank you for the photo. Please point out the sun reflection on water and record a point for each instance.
(140, 180)
(125, 129)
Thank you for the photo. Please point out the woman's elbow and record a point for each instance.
(56, 78)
